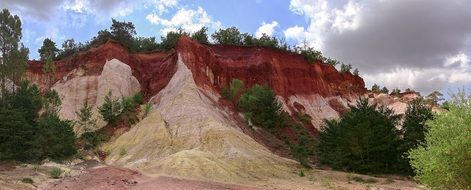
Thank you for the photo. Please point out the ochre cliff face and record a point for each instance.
(153, 70)
(287, 73)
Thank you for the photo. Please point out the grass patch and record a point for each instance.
(301, 173)
(27, 180)
(55, 173)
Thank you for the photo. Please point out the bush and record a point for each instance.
(363, 140)
(234, 90)
(93, 139)
(228, 36)
(16, 136)
(444, 160)
(27, 180)
(55, 173)
(171, 39)
(201, 35)
(111, 109)
(260, 106)
(56, 139)
(414, 129)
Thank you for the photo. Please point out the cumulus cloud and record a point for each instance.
(421, 44)
(190, 20)
(266, 28)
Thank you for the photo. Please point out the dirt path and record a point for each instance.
(104, 178)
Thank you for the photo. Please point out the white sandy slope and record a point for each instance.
(187, 135)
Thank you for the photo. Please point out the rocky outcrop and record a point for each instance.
(318, 90)
(152, 70)
(76, 89)
(189, 135)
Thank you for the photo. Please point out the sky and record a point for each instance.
(419, 44)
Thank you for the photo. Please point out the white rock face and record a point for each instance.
(117, 78)
(188, 135)
(77, 88)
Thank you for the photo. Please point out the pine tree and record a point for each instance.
(85, 122)
(13, 55)
(111, 109)
(48, 50)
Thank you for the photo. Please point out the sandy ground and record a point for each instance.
(91, 175)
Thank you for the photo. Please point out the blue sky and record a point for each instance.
(419, 44)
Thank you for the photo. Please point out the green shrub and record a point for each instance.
(260, 106)
(27, 180)
(147, 109)
(55, 173)
(16, 136)
(93, 139)
(413, 129)
(444, 160)
(56, 139)
(233, 91)
(111, 109)
(363, 140)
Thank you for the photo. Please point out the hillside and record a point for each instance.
(191, 133)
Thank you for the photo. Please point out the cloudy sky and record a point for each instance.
(419, 44)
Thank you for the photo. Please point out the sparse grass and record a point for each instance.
(388, 181)
(359, 179)
(122, 152)
(27, 180)
(326, 183)
(55, 172)
(301, 173)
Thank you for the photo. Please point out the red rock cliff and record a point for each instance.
(153, 70)
(214, 66)
(287, 73)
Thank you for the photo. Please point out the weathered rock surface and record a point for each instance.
(76, 89)
(189, 135)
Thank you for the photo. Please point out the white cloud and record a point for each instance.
(399, 43)
(190, 20)
(424, 80)
(346, 18)
(162, 6)
(296, 33)
(461, 59)
(266, 28)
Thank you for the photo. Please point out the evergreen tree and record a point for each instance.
(363, 140)
(56, 139)
(384, 90)
(111, 109)
(413, 128)
(13, 55)
(16, 136)
(123, 32)
(345, 68)
(48, 50)
(375, 88)
(171, 39)
(260, 106)
(86, 121)
(201, 35)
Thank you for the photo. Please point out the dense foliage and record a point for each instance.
(363, 140)
(444, 160)
(27, 136)
(124, 109)
(260, 106)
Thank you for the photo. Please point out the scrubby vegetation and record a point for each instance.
(261, 108)
(444, 160)
(363, 140)
(124, 109)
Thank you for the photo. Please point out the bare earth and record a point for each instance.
(94, 176)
